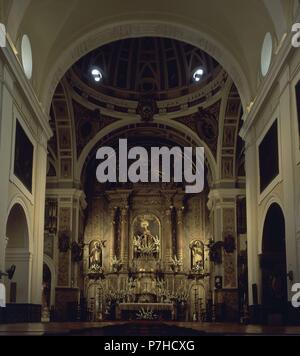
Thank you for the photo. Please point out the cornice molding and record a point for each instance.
(184, 104)
(118, 30)
(67, 193)
(26, 88)
(185, 109)
(279, 61)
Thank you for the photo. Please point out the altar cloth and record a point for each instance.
(145, 306)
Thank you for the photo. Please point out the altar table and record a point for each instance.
(129, 311)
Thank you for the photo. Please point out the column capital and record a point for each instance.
(180, 215)
(112, 212)
(112, 209)
(178, 199)
(118, 197)
(42, 138)
(223, 197)
(124, 213)
(168, 197)
(180, 209)
(124, 209)
(168, 211)
(70, 193)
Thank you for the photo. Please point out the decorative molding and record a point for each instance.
(120, 107)
(279, 61)
(117, 31)
(26, 88)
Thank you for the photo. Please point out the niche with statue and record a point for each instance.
(197, 256)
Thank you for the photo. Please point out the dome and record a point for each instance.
(149, 65)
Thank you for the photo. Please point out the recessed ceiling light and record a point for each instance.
(2, 35)
(198, 74)
(97, 75)
(26, 56)
(266, 54)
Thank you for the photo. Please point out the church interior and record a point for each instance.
(115, 257)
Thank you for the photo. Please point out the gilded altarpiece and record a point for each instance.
(147, 246)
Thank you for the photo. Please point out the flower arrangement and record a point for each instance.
(198, 268)
(180, 296)
(115, 296)
(162, 291)
(146, 314)
(96, 272)
(176, 264)
(116, 264)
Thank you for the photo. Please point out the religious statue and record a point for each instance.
(95, 255)
(197, 255)
(64, 241)
(144, 242)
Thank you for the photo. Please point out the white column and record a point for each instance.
(289, 192)
(38, 223)
(3, 244)
(79, 205)
(252, 223)
(6, 131)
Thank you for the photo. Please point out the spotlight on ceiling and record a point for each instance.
(97, 75)
(198, 74)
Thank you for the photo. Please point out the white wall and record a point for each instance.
(276, 100)
(17, 100)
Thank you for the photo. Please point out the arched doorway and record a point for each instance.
(273, 264)
(17, 253)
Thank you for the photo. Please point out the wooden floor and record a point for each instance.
(143, 328)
